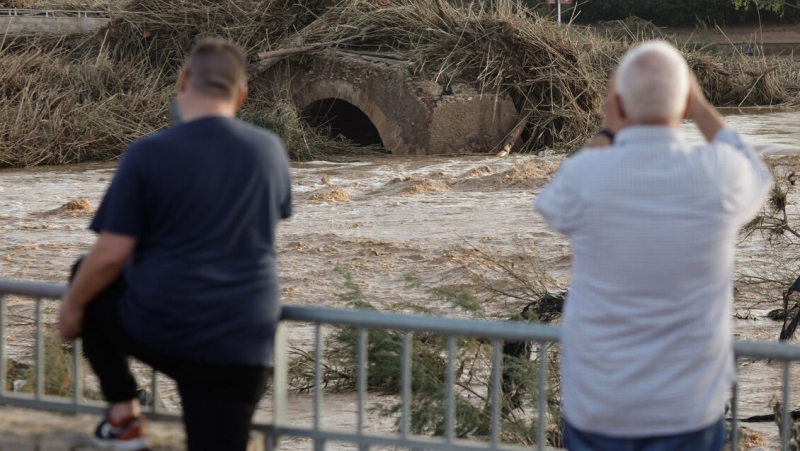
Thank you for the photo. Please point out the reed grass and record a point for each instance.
(86, 5)
(54, 110)
(66, 99)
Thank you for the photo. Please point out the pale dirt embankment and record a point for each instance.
(29, 430)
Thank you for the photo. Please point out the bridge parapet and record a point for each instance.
(411, 116)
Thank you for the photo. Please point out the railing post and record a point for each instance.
(496, 391)
(40, 350)
(77, 370)
(785, 424)
(361, 382)
(450, 411)
(541, 421)
(735, 418)
(319, 444)
(154, 391)
(405, 384)
(280, 382)
(3, 369)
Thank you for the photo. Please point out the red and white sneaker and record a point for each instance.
(126, 436)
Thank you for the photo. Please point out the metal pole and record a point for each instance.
(319, 444)
(405, 385)
(77, 374)
(785, 424)
(361, 381)
(496, 391)
(735, 419)
(40, 349)
(541, 422)
(154, 390)
(3, 344)
(559, 11)
(449, 412)
(280, 381)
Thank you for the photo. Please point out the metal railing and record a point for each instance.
(17, 12)
(362, 321)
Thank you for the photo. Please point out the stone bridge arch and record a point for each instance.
(333, 89)
(412, 116)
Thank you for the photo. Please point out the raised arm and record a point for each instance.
(707, 118)
(612, 117)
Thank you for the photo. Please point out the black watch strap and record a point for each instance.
(607, 133)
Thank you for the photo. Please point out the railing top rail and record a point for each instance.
(504, 330)
(34, 289)
(24, 11)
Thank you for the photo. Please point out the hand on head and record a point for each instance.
(698, 103)
(613, 117)
(701, 111)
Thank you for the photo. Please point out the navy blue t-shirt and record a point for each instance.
(202, 199)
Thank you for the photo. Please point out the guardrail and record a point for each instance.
(16, 12)
(497, 332)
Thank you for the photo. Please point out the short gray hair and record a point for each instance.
(653, 82)
(216, 68)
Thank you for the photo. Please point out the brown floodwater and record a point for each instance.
(383, 219)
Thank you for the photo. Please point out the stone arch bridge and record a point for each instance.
(374, 99)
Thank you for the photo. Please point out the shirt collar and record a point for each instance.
(648, 134)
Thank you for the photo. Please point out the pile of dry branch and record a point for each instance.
(54, 110)
(84, 97)
(531, 59)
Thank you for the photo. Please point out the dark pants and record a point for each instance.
(710, 438)
(218, 400)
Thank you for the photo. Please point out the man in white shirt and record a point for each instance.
(647, 354)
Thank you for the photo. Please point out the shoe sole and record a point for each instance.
(137, 444)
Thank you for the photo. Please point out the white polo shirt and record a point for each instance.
(652, 222)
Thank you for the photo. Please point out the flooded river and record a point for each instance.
(382, 219)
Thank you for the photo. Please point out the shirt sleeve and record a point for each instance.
(286, 205)
(286, 201)
(558, 202)
(749, 183)
(121, 210)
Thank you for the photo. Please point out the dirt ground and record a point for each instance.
(24, 429)
(736, 34)
(741, 33)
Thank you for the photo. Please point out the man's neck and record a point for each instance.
(192, 108)
(672, 123)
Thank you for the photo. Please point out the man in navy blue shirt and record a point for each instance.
(183, 273)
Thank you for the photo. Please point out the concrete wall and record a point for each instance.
(33, 24)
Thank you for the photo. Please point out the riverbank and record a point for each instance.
(78, 98)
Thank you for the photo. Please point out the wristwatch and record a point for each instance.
(607, 133)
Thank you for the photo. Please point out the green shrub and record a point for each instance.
(58, 374)
(677, 12)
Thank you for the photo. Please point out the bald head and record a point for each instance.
(653, 83)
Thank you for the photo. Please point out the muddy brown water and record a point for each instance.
(381, 219)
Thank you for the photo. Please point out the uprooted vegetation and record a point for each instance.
(774, 283)
(81, 97)
(495, 291)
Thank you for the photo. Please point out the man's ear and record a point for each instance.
(620, 108)
(688, 106)
(241, 95)
(183, 80)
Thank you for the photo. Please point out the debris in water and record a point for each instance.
(425, 186)
(335, 194)
(78, 205)
(74, 207)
